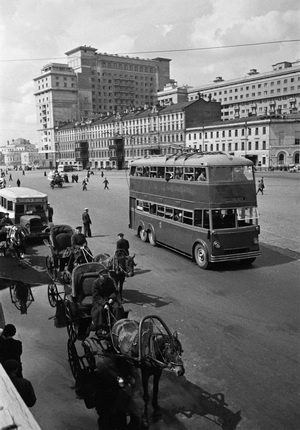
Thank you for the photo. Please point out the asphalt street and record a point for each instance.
(238, 325)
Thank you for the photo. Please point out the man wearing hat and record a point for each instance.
(104, 294)
(86, 220)
(122, 243)
(77, 240)
(23, 386)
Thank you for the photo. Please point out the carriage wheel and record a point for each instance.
(13, 297)
(52, 271)
(72, 332)
(53, 294)
(143, 235)
(73, 358)
(89, 356)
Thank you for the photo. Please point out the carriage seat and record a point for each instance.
(84, 297)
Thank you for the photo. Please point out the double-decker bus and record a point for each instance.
(27, 207)
(201, 205)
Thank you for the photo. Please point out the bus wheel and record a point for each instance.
(143, 235)
(151, 237)
(201, 257)
(248, 261)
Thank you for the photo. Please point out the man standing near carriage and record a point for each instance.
(122, 243)
(105, 299)
(86, 220)
(50, 213)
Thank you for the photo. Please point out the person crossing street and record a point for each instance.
(86, 220)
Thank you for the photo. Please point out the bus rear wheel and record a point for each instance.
(152, 239)
(201, 257)
(143, 235)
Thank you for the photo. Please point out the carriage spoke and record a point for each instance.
(52, 294)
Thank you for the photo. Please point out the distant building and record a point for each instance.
(271, 93)
(93, 83)
(114, 140)
(19, 152)
(270, 142)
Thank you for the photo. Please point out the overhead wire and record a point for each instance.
(240, 45)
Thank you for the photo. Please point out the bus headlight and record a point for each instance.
(255, 241)
(216, 244)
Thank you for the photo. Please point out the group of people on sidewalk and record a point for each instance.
(10, 358)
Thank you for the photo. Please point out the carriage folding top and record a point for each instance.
(60, 237)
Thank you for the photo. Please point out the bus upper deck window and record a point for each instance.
(160, 172)
(200, 174)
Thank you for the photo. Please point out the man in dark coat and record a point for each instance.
(77, 240)
(104, 294)
(86, 220)
(10, 348)
(122, 243)
(23, 386)
(50, 213)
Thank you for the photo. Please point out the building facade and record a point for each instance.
(93, 83)
(20, 153)
(269, 142)
(269, 93)
(114, 140)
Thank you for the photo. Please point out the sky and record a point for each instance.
(197, 35)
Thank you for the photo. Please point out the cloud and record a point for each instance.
(44, 30)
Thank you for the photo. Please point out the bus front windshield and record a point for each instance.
(232, 218)
(231, 174)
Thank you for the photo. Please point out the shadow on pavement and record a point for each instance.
(139, 298)
(184, 405)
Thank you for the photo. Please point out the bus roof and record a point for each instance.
(193, 160)
(20, 192)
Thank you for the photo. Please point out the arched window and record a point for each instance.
(297, 158)
(281, 158)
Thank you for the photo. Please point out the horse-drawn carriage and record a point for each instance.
(148, 345)
(62, 257)
(55, 179)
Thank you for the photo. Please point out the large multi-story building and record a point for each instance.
(56, 97)
(269, 93)
(19, 152)
(114, 140)
(93, 83)
(270, 142)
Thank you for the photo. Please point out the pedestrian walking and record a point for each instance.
(260, 187)
(86, 220)
(23, 386)
(105, 182)
(10, 177)
(10, 348)
(50, 213)
(102, 174)
(23, 172)
(18, 182)
(84, 185)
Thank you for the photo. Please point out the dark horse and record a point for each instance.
(151, 351)
(119, 266)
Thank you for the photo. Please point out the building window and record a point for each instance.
(256, 146)
(256, 130)
(249, 146)
(236, 133)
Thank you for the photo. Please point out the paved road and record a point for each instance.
(238, 325)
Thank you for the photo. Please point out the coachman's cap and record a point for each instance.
(86, 209)
(79, 227)
(121, 234)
